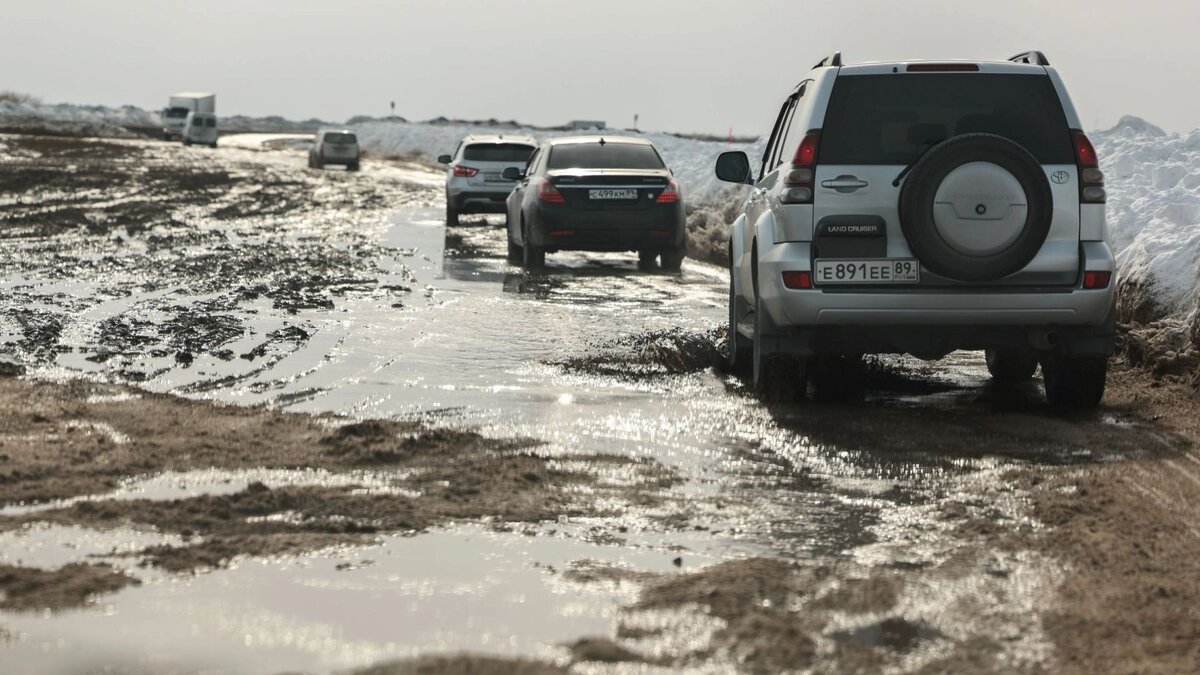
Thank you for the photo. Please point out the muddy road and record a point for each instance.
(259, 418)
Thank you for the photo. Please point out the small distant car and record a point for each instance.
(475, 181)
(593, 193)
(334, 146)
(200, 129)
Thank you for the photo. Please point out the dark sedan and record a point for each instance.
(596, 194)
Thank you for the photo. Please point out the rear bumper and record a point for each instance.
(339, 159)
(1065, 318)
(479, 200)
(562, 227)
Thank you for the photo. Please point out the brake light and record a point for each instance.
(670, 193)
(942, 68)
(798, 182)
(1093, 280)
(550, 194)
(797, 280)
(465, 171)
(1091, 178)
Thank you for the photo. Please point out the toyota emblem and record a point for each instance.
(1060, 177)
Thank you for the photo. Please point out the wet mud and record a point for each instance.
(467, 468)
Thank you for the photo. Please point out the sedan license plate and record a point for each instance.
(612, 194)
(879, 271)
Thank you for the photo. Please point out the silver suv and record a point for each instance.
(924, 207)
(334, 146)
(475, 181)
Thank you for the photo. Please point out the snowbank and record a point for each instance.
(691, 160)
(1153, 182)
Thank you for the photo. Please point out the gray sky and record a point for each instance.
(683, 65)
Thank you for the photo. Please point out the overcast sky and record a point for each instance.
(683, 65)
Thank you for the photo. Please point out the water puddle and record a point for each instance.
(465, 589)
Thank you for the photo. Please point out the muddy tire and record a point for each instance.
(451, 214)
(352, 167)
(775, 377)
(647, 260)
(1011, 365)
(516, 256)
(187, 142)
(1075, 383)
(672, 259)
(533, 257)
(739, 359)
(317, 163)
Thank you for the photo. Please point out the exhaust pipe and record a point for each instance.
(1043, 340)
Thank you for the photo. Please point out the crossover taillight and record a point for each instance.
(798, 182)
(548, 193)
(670, 193)
(465, 171)
(1091, 178)
(1094, 280)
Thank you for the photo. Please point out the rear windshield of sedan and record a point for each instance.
(338, 137)
(604, 156)
(892, 119)
(517, 153)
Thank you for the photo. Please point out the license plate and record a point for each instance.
(495, 178)
(893, 271)
(612, 194)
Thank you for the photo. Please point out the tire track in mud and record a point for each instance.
(894, 530)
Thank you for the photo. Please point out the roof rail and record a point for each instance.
(1034, 57)
(834, 61)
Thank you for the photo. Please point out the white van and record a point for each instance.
(200, 128)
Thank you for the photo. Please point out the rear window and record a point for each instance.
(892, 119)
(604, 156)
(515, 153)
(339, 137)
(210, 122)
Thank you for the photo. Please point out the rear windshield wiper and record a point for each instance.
(902, 174)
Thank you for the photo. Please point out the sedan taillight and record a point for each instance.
(670, 193)
(549, 194)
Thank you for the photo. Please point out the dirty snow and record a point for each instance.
(1153, 181)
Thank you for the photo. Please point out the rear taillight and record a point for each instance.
(1091, 178)
(798, 280)
(670, 193)
(1094, 280)
(465, 171)
(798, 182)
(548, 193)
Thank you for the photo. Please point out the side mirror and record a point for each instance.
(444, 159)
(733, 167)
(512, 173)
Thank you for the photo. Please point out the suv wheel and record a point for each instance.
(1011, 365)
(352, 166)
(672, 258)
(647, 260)
(1075, 382)
(741, 350)
(451, 214)
(776, 377)
(944, 225)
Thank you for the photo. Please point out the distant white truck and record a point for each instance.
(174, 116)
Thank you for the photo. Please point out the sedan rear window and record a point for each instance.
(604, 156)
(339, 137)
(516, 153)
(892, 119)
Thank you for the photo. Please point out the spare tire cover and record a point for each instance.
(976, 207)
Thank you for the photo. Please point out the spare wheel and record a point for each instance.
(976, 207)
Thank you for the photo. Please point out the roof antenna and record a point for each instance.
(602, 141)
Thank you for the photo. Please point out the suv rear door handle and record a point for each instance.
(845, 183)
